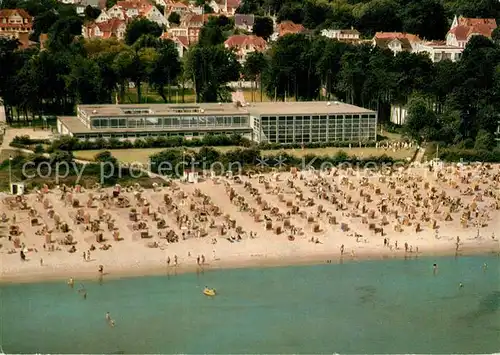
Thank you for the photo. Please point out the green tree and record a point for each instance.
(495, 36)
(255, 65)
(140, 27)
(291, 11)
(427, 18)
(215, 31)
(91, 13)
(421, 122)
(263, 27)
(292, 72)
(63, 32)
(210, 68)
(134, 64)
(316, 13)
(165, 69)
(174, 18)
(377, 15)
(485, 140)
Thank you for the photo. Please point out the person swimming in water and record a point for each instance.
(434, 268)
(71, 282)
(460, 285)
(110, 321)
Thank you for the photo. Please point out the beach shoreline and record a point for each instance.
(159, 268)
(262, 220)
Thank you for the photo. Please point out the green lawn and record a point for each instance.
(142, 155)
(150, 95)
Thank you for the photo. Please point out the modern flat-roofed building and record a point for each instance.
(274, 122)
(313, 121)
(152, 120)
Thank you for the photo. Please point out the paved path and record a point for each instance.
(420, 155)
(2, 114)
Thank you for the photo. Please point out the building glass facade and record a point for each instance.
(170, 122)
(316, 128)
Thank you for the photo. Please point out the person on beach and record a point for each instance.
(71, 282)
(101, 269)
(168, 261)
(198, 260)
(84, 257)
(203, 259)
(342, 249)
(175, 260)
(41, 261)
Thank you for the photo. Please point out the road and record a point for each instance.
(2, 114)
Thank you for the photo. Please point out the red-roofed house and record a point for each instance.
(462, 29)
(178, 7)
(192, 20)
(288, 27)
(14, 22)
(108, 29)
(245, 44)
(396, 41)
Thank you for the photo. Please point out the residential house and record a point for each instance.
(181, 42)
(244, 22)
(462, 29)
(192, 20)
(225, 7)
(153, 14)
(192, 23)
(114, 27)
(286, 27)
(178, 7)
(125, 10)
(351, 35)
(15, 22)
(396, 41)
(242, 45)
(439, 50)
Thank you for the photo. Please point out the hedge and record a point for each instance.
(469, 155)
(69, 143)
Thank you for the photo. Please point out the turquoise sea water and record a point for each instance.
(394, 306)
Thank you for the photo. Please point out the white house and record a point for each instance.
(439, 50)
(351, 35)
(153, 14)
(226, 7)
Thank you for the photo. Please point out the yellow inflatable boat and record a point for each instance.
(209, 292)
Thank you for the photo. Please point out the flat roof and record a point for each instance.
(254, 108)
(162, 109)
(303, 107)
(75, 126)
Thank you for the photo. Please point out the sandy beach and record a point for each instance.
(250, 221)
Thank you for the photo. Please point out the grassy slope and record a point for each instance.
(142, 155)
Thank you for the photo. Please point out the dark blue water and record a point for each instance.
(394, 306)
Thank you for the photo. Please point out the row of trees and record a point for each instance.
(447, 101)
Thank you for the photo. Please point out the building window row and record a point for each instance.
(171, 122)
